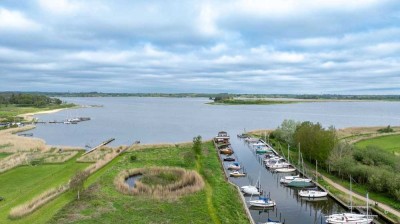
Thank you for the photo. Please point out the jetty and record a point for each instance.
(97, 147)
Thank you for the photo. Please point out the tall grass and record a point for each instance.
(12, 161)
(29, 207)
(187, 183)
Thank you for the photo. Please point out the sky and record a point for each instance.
(234, 46)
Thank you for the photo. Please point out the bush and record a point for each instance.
(388, 129)
(133, 158)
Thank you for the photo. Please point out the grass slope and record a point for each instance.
(23, 183)
(102, 203)
(390, 143)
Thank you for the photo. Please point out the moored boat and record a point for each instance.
(270, 221)
(262, 202)
(288, 179)
(312, 193)
(251, 190)
(237, 174)
(288, 169)
(229, 159)
(234, 166)
(300, 182)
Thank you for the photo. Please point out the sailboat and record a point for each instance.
(262, 202)
(350, 218)
(252, 189)
(270, 221)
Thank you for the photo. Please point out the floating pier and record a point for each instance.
(102, 144)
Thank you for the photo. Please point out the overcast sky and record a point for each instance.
(249, 46)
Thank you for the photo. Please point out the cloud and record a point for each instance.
(290, 46)
(11, 20)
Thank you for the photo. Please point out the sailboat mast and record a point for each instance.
(351, 198)
(367, 206)
(316, 170)
(288, 158)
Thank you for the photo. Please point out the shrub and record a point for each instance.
(133, 158)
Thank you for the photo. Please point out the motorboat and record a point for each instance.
(226, 151)
(229, 159)
(237, 174)
(262, 202)
(312, 193)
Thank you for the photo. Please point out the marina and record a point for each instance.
(259, 199)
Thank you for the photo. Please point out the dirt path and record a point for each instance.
(345, 190)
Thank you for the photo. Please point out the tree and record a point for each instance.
(77, 181)
(197, 145)
(286, 131)
(316, 141)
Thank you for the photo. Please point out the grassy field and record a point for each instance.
(218, 202)
(10, 111)
(23, 183)
(390, 143)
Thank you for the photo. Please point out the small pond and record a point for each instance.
(131, 180)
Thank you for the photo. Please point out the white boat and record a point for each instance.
(237, 174)
(288, 179)
(312, 193)
(252, 139)
(349, 218)
(300, 182)
(278, 164)
(234, 166)
(259, 144)
(251, 190)
(262, 202)
(288, 169)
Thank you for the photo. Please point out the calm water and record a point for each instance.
(157, 120)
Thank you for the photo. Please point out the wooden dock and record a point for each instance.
(102, 144)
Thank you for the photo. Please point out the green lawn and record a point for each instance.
(390, 143)
(23, 183)
(219, 202)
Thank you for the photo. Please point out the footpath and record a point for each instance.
(347, 191)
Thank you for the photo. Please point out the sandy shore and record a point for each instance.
(29, 116)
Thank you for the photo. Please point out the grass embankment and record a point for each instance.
(21, 184)
(390, 143)
(102, 203)
(251, 102)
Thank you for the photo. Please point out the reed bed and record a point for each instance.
(106, 158)
(17, 143)
(59, 157)
(37, 202)
(188, 182)
(12, 161)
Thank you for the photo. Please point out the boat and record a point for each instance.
(263, 150)
(226, 151)
(234, 166)
(262, 202)
(229, 159)
(288, 179)
(259, 144)
(270, 221)
(300, 182)
(288, 169)
(312, 193)
(251, 190)
(248, 139)
(349, 218)
(222, 137)
(243, 135)
(237, 174)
